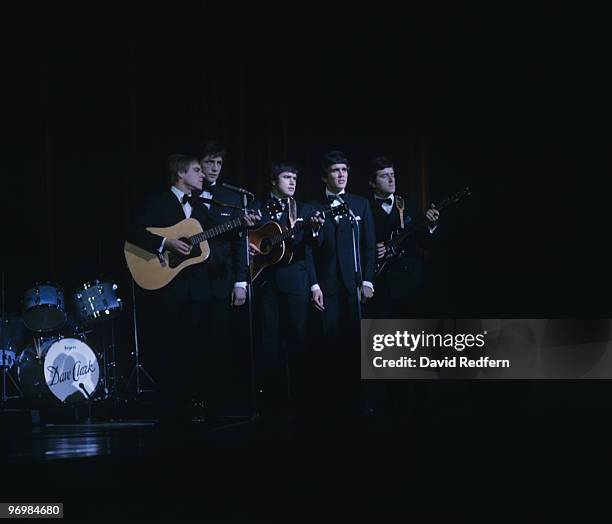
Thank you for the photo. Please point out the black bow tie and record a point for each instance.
(387, 201)
(333, 198)
(191, 199)
(208, 186)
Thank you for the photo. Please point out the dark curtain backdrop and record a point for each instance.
(96, 98)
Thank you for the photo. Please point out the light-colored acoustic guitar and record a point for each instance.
(155, 270)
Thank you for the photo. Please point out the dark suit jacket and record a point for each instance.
(229, 265)
(165, 210)
(299, 275)
(334, 259)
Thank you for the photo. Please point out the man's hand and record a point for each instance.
(366, 293)
(432, 214)
(238, 296)
(317, 299)
(252, 217)
(177, 246)
(317, 220)
(381, 249)
(253, 249)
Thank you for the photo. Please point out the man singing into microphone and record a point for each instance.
(345, 261)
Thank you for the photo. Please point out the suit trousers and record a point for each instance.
(283, 355)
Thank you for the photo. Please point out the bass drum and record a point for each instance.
(64, 368)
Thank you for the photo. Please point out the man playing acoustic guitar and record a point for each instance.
(283, 291)
(179, 309)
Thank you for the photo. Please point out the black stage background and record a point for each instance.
(505, 102)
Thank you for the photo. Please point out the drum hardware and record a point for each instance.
(138, 367)
(10, 334)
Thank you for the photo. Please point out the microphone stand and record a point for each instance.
(356, 254)
(245, 199)
(253, 416)
(358, 274)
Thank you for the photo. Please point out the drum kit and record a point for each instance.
(45, 353)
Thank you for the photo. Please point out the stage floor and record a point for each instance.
(381, 467)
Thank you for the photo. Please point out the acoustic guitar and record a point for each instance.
(271, 239)
(155, 270)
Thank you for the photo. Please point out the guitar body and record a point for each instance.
(270, 254)
(154, 270)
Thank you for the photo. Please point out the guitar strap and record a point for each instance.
(399, 204)
(292, 212)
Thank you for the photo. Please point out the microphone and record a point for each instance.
(238, 190)
(82, 386)
(342, 201)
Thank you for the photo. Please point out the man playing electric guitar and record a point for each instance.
(283, 292)
(398, 285)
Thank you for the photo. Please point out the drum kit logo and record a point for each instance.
(55, 366)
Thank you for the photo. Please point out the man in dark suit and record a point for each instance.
(346, 279)
(399, 285)
(228, 280)
(179, 309)
(345, 261)
(283, 292)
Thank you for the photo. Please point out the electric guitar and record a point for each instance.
(155, 270)
(271, 238)
(394, 250)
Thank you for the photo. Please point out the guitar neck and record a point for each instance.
(277, 239)
(216, 231)
(403, 233)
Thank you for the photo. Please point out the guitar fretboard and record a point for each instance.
(277, 239)
(215, 231)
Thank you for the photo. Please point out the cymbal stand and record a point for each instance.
(138, 367)
(5, 370)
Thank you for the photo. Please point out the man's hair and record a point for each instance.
(377, 163)
(178, 162)
(277, 169)
(333, 157)
(212, 148)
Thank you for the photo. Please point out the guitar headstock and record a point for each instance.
(272, 207)
(454, 198)
(336, 211)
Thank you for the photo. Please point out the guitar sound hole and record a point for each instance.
(175, 259)
(265, 246)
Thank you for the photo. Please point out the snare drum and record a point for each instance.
(43, 307)
(64, 368)
(96, 301)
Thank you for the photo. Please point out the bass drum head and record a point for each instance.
(67, 369)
